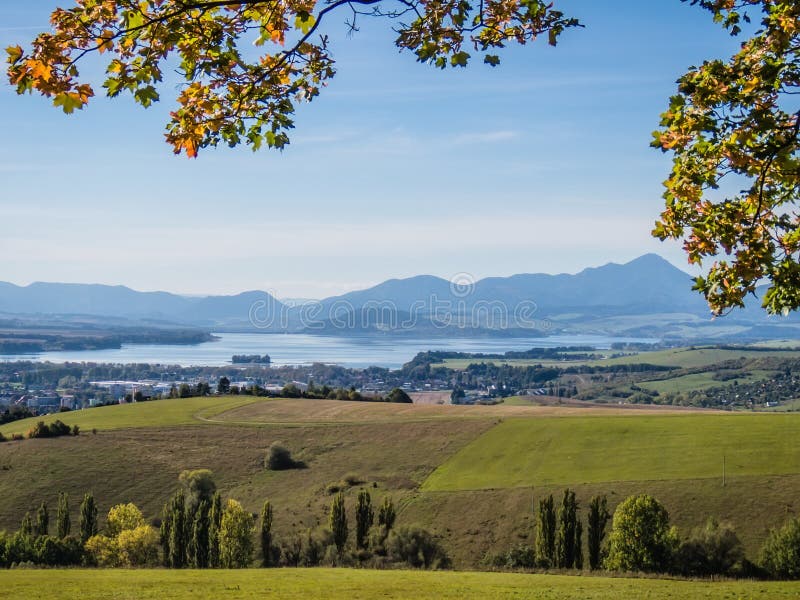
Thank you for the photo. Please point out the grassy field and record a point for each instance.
(363, 583)
(675, 357)
(327, 412)
(528, 452)
(701, 381)
(162, 413)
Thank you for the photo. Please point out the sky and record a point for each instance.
(542, 164)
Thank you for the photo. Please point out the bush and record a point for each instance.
(138, 547)
(279, 458)
(291, 551)
(16, 437)
(399, 396)
(351, 479)
(780, 555)
(521, 557)
(417, 548)
(641, 539)
(56, 429)
(102, 551)
(55, 552)
(712, 550)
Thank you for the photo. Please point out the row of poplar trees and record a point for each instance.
(559, 533)
(38, 524)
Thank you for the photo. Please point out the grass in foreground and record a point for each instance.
(362, 583)
(527, 452)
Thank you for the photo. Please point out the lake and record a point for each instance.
(299, 349)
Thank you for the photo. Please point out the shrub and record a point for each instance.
(399, 396)
(291, 551)
(641, 539)
(102, 550)
(417, 548)
(279, 458)
(521, 557)
(55, 552)
(138, 547)
(55, 429)
(16, 437)
(711, 550)
(351, 479)
(76, 430)
(2, 438)
(780, 555)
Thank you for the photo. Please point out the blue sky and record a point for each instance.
(540, 165)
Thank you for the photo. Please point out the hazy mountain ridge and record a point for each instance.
(646, 296)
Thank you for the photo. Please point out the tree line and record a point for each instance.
(198, 529)
(642, 540)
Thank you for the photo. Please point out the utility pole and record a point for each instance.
(723, 470)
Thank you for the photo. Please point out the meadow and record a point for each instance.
(363, 583)
(528, 452)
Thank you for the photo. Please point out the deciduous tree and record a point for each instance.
(235, 536)
(641, 538)
(732, 129)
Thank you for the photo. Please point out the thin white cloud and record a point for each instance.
(486, 137)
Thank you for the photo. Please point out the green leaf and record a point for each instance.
(491, 59)
(304, 22)
(459, 59)
(67, 102)
(14, 54)
(146, 96)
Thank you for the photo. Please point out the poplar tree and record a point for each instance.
(177, 531)
(215, 520)
(199, 543)
(62, 518)
(266, 535)
(88, 519)
(597, 520)
(338, 522)
(386, 513)
(546, 532)
(566, 534)
(42, 519)
(364, 518)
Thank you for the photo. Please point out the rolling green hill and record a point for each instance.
(548, 451)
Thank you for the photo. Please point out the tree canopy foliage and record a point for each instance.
(233, 95)
(732, 125)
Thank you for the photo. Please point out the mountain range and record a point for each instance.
(645, 297)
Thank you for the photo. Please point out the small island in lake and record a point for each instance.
(250, 359)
